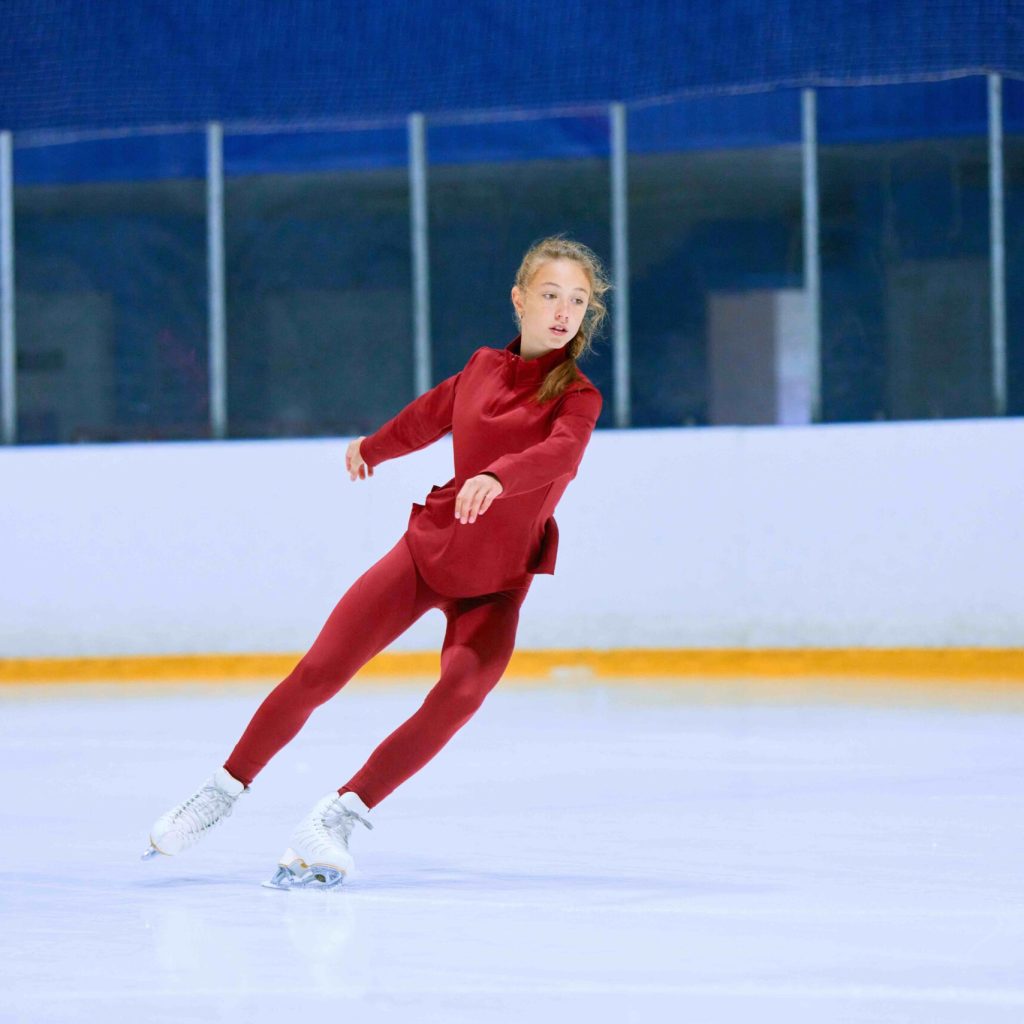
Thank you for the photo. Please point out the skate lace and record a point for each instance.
(204, 809)
(338, 821)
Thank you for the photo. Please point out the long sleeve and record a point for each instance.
(497, 427)
(558, 455)
(422, 422)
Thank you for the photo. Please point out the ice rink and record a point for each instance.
(630, 851)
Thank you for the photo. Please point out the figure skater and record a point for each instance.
(520, 419)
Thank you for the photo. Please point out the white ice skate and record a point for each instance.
(183, 826)
(317, 856)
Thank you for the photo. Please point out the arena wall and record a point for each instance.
(878, 535)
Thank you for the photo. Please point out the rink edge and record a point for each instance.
(994, 665)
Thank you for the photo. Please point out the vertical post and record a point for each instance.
(997, 242)
(217, 321)
(812, 254)
(8, 362)
(620, 265)
(420, 263)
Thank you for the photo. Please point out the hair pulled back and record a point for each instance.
(558, 247)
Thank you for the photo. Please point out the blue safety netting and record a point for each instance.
(109, 104)
(310, 85)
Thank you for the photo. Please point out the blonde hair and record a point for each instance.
(558, 247)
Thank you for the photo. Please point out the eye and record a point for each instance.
(549, 295)
(579, 302)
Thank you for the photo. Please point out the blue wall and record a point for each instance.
(118, 65)
(137, 62)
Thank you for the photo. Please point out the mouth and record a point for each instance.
(561, 331)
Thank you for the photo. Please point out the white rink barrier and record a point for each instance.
(871, 535)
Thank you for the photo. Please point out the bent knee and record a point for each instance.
(317, 680)
(461, 698)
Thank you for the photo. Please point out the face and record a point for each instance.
(551, 307)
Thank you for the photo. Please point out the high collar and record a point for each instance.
(532, 371)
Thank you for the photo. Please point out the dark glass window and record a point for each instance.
(905, 258)
(718, 311)
(319, 302)
(111, 311)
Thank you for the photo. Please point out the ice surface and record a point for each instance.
(628, 852)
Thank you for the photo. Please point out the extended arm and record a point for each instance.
(422, 422)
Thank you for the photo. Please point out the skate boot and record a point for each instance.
(183, 826)
(318, 857)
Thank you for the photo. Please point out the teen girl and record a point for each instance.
(520, 419)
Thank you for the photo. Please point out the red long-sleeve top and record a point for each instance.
(497, 427)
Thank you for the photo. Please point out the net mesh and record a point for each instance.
(108, 102)
(107, 66)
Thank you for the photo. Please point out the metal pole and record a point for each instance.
(997, 242)
(420, 262)
(812, 253)
(8, 363)
(620, 265)
(217, 321)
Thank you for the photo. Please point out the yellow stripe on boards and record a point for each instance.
(998, 665)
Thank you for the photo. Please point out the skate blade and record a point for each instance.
(150, 853)
(299, 875)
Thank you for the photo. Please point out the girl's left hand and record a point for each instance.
(475, 497)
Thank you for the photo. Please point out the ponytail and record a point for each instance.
(558, 380)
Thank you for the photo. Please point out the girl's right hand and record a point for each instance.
(357, 469)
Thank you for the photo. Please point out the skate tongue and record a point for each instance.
(352, 801)
(226, 781)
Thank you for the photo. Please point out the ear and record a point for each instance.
(517, 300)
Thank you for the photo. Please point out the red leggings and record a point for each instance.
(381, 605)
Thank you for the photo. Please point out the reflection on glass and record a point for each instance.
(111, 276)
(319, 311)
(1013, 109)
(111, 311)
(905, 263)
(719, 330)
